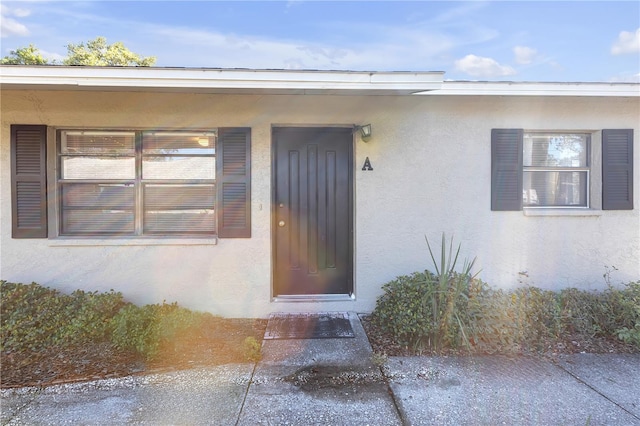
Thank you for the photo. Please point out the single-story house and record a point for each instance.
(245, 192)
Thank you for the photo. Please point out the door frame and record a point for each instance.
(350, 296)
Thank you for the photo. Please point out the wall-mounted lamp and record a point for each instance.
(204, 140)
(365, 131)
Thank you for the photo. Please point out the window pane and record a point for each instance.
(179, 143)
(179, 221)
(179, 209)
(97, 208)
(555, 188)
(178, 167)
(174, 197)
(98, 196)
(568, 150)
(92, 142)
(98, 168)
(97, 222)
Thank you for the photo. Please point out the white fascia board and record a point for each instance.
(64, 77)
(472, 88)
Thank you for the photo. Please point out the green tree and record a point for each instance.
(98, 53)
(29, 55)
(95, 52)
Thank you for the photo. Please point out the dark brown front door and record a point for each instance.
(312, 218)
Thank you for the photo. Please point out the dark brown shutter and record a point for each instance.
(233, 179)
(617, 169)
(506, 169)
(28, 181)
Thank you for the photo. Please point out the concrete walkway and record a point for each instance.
(335, 382)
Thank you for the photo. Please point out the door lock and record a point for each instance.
(281, 223)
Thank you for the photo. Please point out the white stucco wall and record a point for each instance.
(432, 174)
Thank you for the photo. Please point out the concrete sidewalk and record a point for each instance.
(334, 382)
(581, 390)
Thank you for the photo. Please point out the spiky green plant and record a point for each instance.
(448, 296)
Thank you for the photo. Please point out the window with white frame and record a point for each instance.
(555, 169)
(137, 183)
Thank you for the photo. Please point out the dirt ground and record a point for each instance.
(221, 341)
(384, 344)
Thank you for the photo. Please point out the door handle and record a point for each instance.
(281, 223)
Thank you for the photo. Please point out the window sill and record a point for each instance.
(314, 298)
(561, 212)
(133, 241)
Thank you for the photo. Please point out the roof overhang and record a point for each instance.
(246, 81)
(507, 88)
(207, 80)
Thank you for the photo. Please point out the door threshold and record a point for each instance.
(314, 298)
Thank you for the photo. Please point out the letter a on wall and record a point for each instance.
(367, 165)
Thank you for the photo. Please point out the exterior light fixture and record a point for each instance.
(365, 131)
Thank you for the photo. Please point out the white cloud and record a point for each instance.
(477, 66)
(52, 56)
(21, 13)
(400, 48)
(555, 65)
(524, 55)
(421, 45)
(627, 42)
(9, 26)
(460, 11)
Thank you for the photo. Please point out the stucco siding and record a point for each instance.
(431, 157)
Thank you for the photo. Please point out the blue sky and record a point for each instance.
(478, 40)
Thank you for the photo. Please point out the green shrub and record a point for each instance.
(491, 322)
(629, 313)
(90, 315)
(449, 310)
(426, 310)
(582, 312)
(401, 312)
(537, 314)
(613, 312)
(506, 322)
(35, 317)
(134, 329)
(31, 316)
(150, 328)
